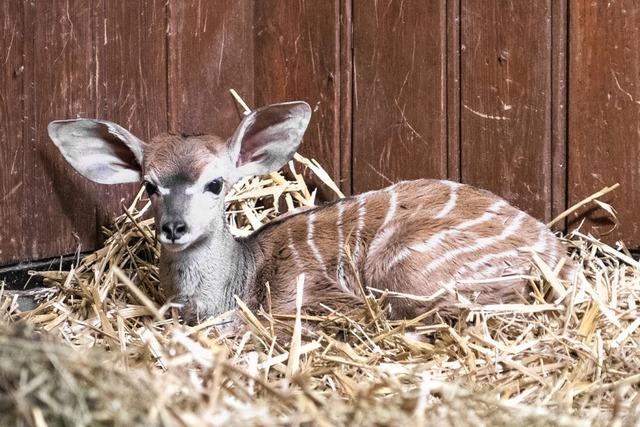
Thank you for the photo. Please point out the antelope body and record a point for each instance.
(413, 237)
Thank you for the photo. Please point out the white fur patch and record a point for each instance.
(152, 178)
(431, 244)
(480, 243)
(314, 248)
(384, 233)
(212, 171)
(362, 213)
(400, 256)
(312, 244)
(198, 214)
(293, 250)
(453, 199)
(339, 264)
(540, 246)
(487, 259)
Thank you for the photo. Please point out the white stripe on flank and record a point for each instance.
(384, 233)
(342, 281)
(491, 212)
(400, 256)
(380, 238)
(293, 250)
(314, 248)
(541, 247)
(541, 244)
(312, 245)
(393, 205)
(480, 243)
(340, 225)
(434, 241)
(453, 198)
(480, 262)
(362, 212)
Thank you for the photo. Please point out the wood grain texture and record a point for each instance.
(59, 206)
(559, 104)
(505, 114)
(11, 130)
(346, 95)
(210, 51)
(399, 125)
(604, 112)
(297, 56)
(452, 80)
(131, 78)
(536, 101)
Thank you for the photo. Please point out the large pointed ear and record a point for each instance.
(267, 138)
(101, 151)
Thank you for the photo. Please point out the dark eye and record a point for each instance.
(150, 188)
(214, 186)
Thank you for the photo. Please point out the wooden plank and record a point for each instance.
(131, 78)
(559, 101)
(399, 129)
(505, 129)
(297, 56)
(453, 89)
(12, 185)
(210, 51)
(604, 113)
(59, 205)
(346, 95)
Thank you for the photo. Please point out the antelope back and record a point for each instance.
(414, 237)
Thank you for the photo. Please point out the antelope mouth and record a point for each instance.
(175, 246)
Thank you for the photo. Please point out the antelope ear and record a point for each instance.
(101, 151)
(267, 138)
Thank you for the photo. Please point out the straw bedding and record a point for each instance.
(100, 348)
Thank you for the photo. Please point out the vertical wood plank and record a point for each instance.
(131, 78)
(505, 129)
(59, 205)
(210, 51)
(559, 92)
(345, 140)
(298, 57)
(12, 185)
(453, 89)
(399, 92)
(604, 113)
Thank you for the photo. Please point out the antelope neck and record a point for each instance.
(208, 274)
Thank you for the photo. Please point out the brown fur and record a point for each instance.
(170, 155)
(281, 250)
(415, 222)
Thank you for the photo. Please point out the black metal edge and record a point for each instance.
(16, 277)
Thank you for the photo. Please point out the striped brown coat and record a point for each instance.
(414, 237)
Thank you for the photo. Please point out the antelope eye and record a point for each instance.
(150, 188)
(214, 186)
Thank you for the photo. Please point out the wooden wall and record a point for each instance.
(536, 101)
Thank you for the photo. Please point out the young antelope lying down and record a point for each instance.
(412, 237)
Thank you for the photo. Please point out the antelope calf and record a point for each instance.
(412, 237)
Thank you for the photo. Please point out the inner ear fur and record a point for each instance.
(267, 138)
(99, 150)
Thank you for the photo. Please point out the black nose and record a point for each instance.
(174, 230)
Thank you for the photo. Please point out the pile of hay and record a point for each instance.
(103, 350)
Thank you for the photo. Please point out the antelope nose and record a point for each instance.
(174, 230)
